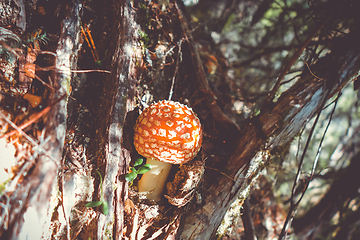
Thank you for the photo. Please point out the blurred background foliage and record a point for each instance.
(244, 45)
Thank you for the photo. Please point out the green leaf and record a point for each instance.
(94, 204)
(138, 162)
(143, 169)
(130, 176)
(105, 208)
(148, 165)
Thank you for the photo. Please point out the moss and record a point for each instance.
(144, 40)
(3, 185)
(109, 230)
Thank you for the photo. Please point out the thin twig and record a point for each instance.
(35, 118)
(90, 70)
(44, 83)
(175, 72)
(49, 86)
(51, 68)
(92, 43)
(293, 206)
(319, 149)
(221, 173)
(308, 67)
(88, 42)
(292, 60)
(45, 52)
(27, 137)
(269, 50)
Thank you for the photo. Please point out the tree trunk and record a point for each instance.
(99, 143)
(28, 205)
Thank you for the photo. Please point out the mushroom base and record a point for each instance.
(152, 182)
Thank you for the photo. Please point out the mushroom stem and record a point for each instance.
(152, 182)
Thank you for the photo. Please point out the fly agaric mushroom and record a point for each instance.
(166, 133)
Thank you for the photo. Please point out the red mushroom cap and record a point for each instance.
(169, 132)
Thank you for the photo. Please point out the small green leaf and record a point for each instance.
(138, 162)
(94, 204)
(143, 169)
(105, 208)
(130, 176)
(98, 63)
(148, 165)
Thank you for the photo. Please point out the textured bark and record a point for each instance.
(121, 86)
(13, 13)
(100, 143)
(29, 203)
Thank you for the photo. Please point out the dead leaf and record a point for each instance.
(33, 99)
(30, 70)
(129, 206)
